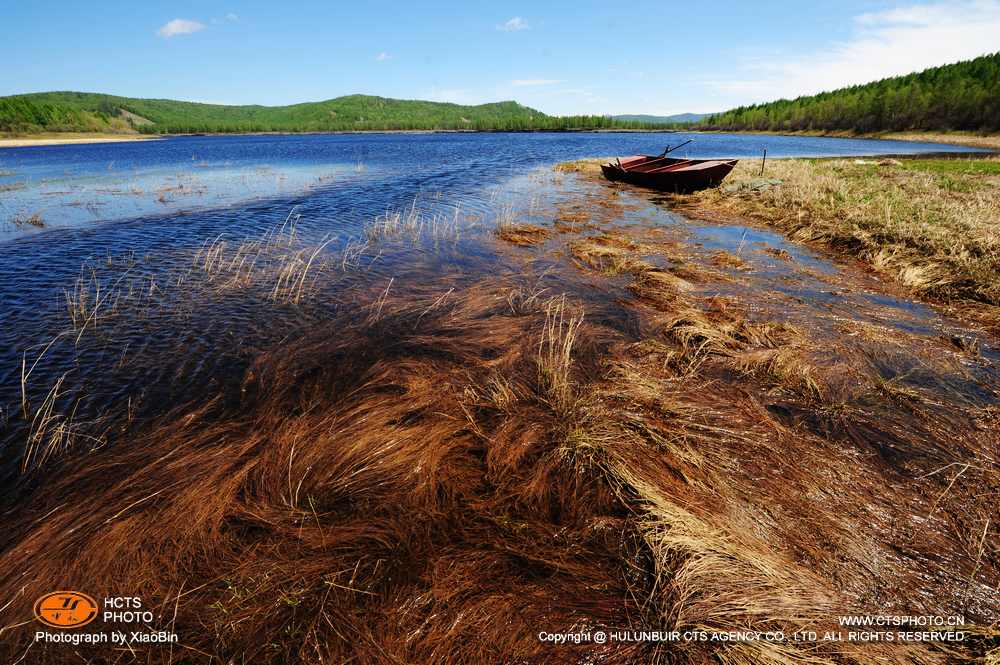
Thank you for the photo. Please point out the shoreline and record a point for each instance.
(990, 142)
(922, 255)
(70, 139)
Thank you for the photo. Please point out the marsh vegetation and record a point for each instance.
(610, 418)
(930, 223)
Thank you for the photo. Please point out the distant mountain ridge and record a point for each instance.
(85, 112)
(680, 118)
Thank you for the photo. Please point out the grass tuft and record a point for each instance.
(930, 224)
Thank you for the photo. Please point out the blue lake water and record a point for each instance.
(346, 175)
(155, 202)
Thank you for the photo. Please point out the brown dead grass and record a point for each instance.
(386, 489)
(437, 475)
(724, 259)
(348, 514)
(522, 234)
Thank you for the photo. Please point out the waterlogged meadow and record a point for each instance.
(340, 428)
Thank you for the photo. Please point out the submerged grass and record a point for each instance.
(446, 469)
(928, 223)
(523, 234)
(24, 219)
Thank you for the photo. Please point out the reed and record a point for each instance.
(526, 299)
(278, 263)
(384, 485)
(412, 224)
(555, 356)
(93, 299)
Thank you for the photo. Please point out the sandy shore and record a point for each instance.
(75, 138)
(984, 141)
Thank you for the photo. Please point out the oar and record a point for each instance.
(669, 149)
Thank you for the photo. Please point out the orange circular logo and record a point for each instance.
(65, 609)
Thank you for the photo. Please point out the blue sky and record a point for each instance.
(560, 57)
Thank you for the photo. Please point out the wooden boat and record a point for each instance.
(669, 174)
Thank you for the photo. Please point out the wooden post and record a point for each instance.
(762, 163)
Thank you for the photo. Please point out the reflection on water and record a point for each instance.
(73, 200)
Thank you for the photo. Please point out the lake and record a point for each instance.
(122, 222)
(342, 175)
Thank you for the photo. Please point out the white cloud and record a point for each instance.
(513, 25)
(382, 57)
(888, 43)
(529, 82)
(232, 18)
(179, 26)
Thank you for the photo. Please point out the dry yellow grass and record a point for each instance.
(586, 165)
(930, 224)
(984, 141)
(510, 230)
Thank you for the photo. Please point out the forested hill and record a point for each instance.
(82, 112)
(962, 96)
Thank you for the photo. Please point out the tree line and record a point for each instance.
(961, 96)
(82, 112)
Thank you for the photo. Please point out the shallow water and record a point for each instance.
(133, 215)
(73, 185)
(842, 488)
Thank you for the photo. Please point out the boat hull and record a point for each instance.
(680, 178)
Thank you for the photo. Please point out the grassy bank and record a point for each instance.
(455, 462)
(930, 224)
(971, 139)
